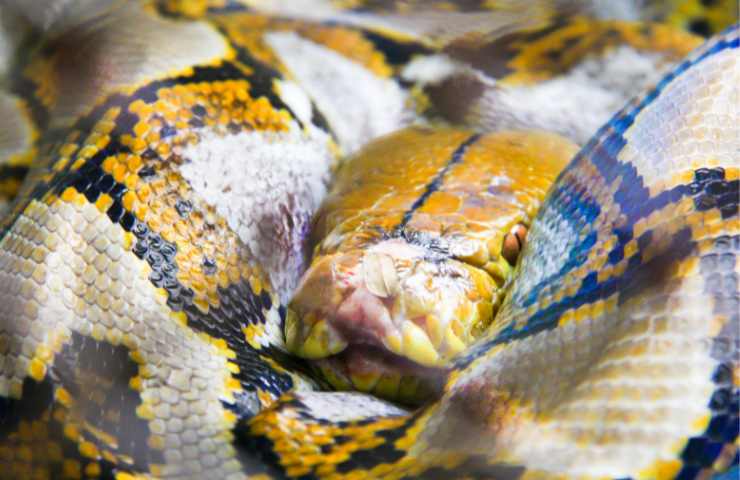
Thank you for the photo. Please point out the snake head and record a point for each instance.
(390, 318)
(416, 244)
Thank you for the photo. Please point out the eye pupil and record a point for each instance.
(513, 243)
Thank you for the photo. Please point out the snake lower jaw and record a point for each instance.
(392, 377)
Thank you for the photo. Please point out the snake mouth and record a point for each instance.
(410, 313)
(377, 371)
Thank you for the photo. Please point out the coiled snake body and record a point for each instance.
(177, 154)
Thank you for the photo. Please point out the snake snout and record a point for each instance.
(405, 310)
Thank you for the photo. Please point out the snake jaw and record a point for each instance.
(396, 298)
(383, 374)
(320, 341)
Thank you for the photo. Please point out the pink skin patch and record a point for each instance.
(362, 318)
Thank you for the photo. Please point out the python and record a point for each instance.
(162, 162)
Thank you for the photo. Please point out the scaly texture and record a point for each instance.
(615, 353)
(177, 151)
(415, 252)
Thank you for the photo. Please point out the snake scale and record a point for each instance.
(162, 162)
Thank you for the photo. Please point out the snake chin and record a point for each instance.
(382, 373)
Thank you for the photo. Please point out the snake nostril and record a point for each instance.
(513, 243)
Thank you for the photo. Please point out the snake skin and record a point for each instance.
(141, 295)
(410, 262)
(615, 353)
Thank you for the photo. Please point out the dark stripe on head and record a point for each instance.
(436, 183)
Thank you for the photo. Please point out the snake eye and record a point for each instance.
(513, 243)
